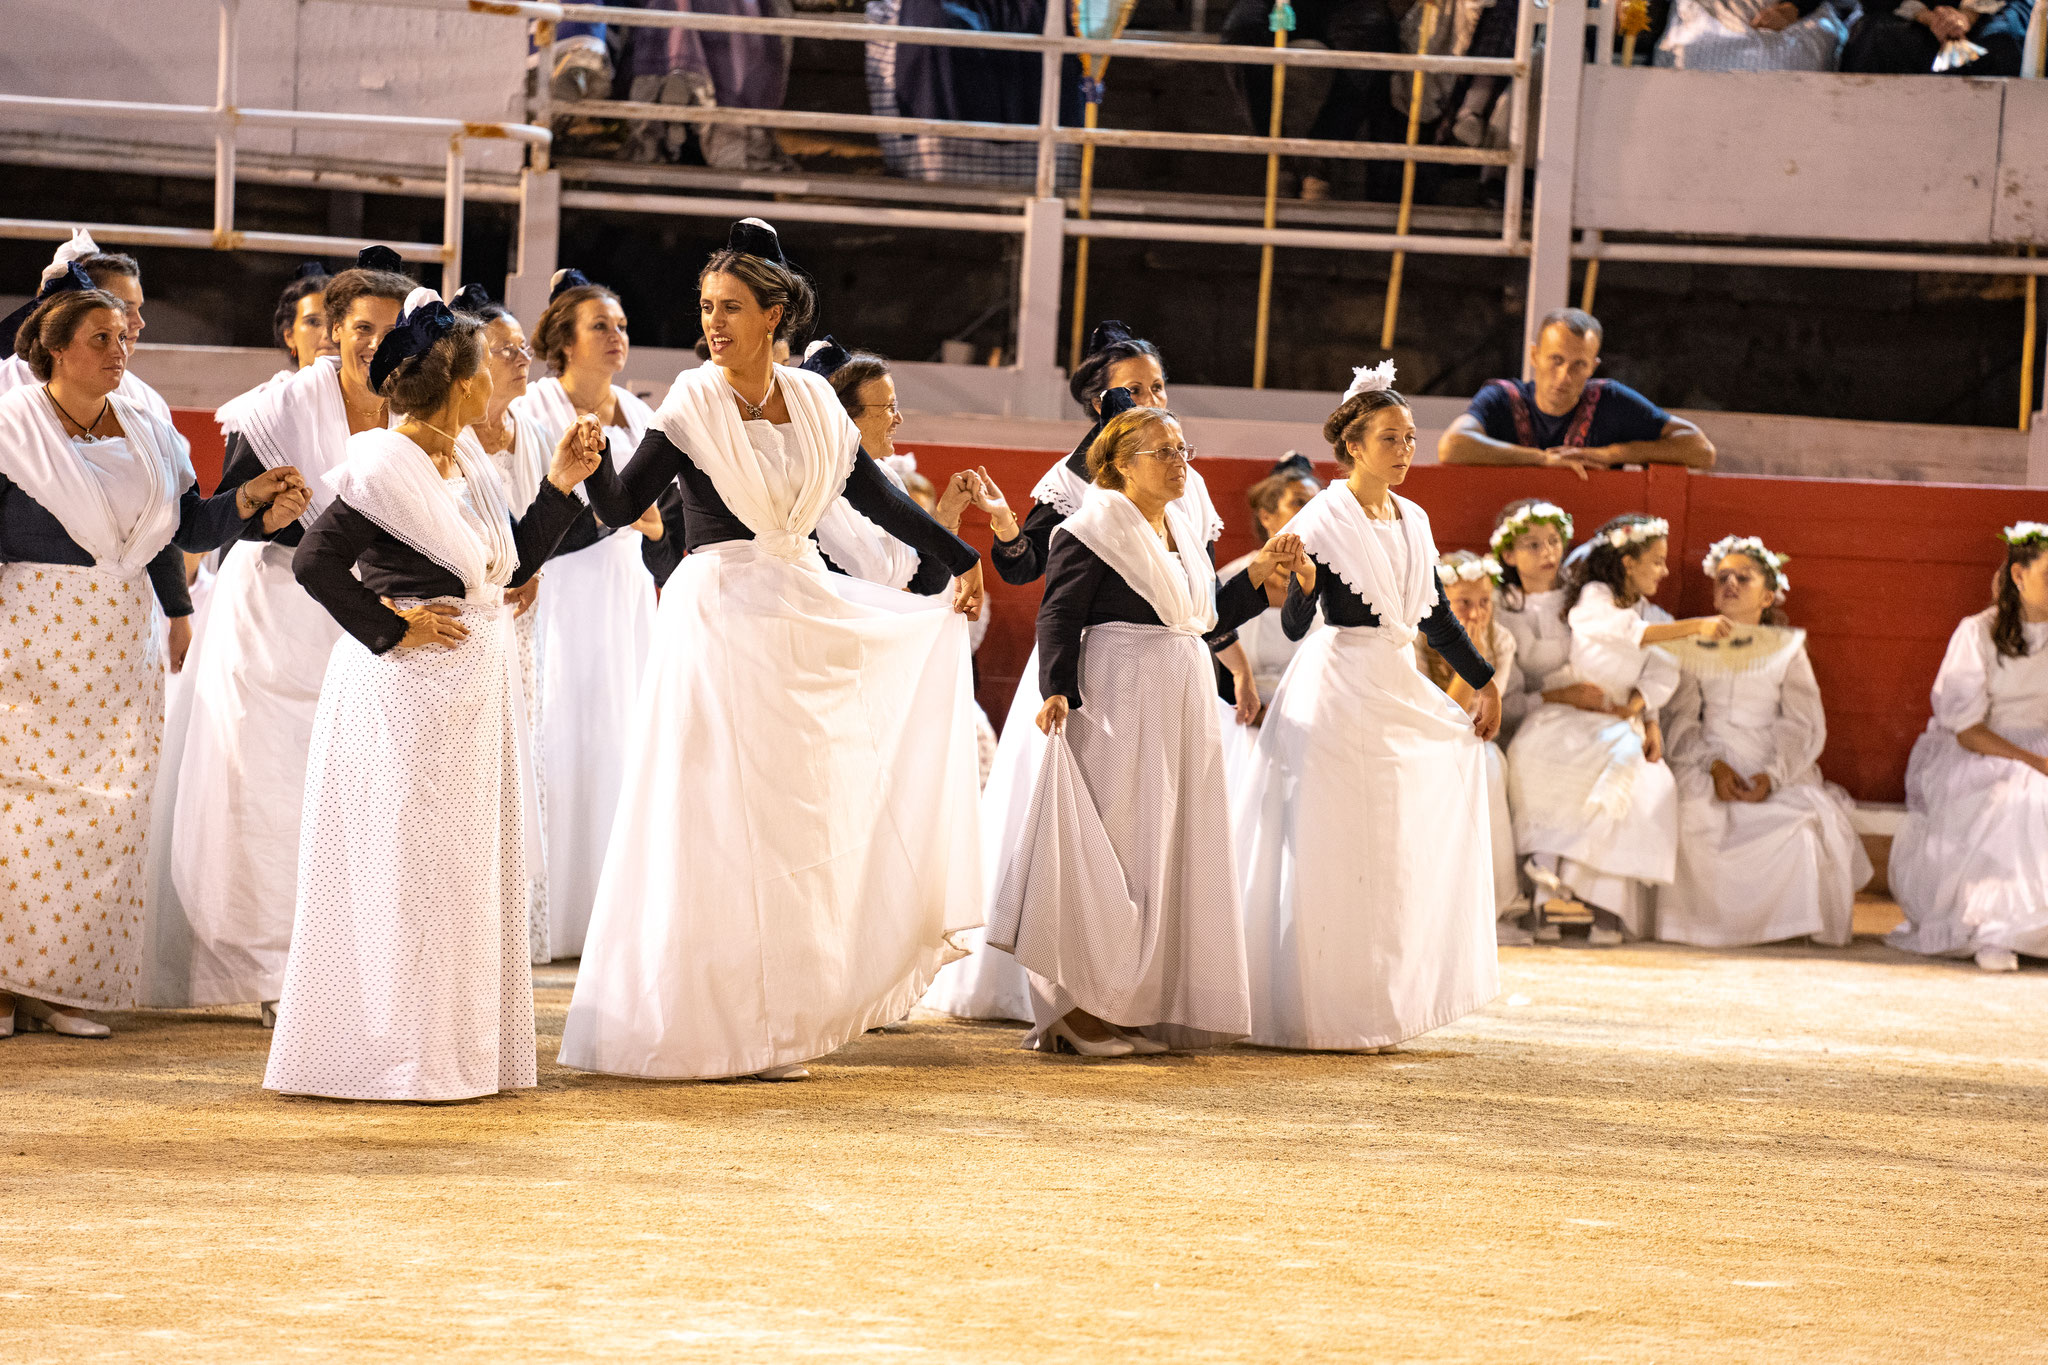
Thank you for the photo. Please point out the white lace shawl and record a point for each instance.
(1180, 584)
(394, 483)
(37, 455)
(1336, 530)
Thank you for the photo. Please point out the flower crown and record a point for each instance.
(1511, 530)
(2025, 533)
(1638, 533)
(1471, 571)
(1773, 562)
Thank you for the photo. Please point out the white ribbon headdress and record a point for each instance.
(1370, 379)
(78, 248)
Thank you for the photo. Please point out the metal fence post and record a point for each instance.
(224, 131)
(451, 221)
(1557, 155)
(1041, 264)
(540, 220)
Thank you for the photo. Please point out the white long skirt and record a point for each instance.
(988, 983)
(1368, 855)
(1508, 899)
(167, 936)
(795, 853)
(1120, 896)
(1785, 867)
(1969, 864)
(234, 829)
(1586, 799)
(408, 977)
(593, 621)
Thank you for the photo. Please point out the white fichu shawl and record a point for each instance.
(394, 483)
(547, 406)
(1179, 584)
(37, 454)
(520, 466)
(1064, 491)
(700, 416)
(861, 548)
(299, 421)
(1336, 530)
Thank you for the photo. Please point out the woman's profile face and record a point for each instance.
(1646, 568)
(738, 330)
(1386, 448)
(878, 418)
(506, 357)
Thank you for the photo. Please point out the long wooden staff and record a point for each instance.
(1091, 96)
(1282, 24)
(1407, 184)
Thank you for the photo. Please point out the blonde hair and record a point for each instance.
(1120, 437)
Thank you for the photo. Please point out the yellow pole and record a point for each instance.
(1283, 24)
(1407, 184)
(1592, 283)
(1081, 244)
(2027, 350)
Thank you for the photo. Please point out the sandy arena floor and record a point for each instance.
(1639, 1154)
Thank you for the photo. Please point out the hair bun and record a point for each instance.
(379, 258)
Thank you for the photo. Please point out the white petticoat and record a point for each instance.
(1970, 863)
(1367, 853)
(1785, 867)
(794, 855)
(408, 977)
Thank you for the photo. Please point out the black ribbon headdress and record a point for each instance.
(1107, 333)
(753, 237)
(471, 298)
(1295, 465)
(380, 258)
(74, 277)
(564, 280)
(313, 270)
(414, 335)
(826, 357)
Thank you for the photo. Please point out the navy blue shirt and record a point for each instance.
(1621, 415)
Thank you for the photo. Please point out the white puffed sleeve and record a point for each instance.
(1596, 617)
(1962, 690)
(1801, 730)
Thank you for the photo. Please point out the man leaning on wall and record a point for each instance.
(1564, 418)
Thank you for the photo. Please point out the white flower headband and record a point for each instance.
(2025, 533)
(1639, 533)
(1471, 571)
(1773, 562)
(1370, 379)
(1511, 530)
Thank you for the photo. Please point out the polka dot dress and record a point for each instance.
(408, 977)
(81, 716)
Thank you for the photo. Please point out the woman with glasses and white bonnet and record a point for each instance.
(795, 850)
(408, 977)
(1362, 826)
(1765, 847)
(1120, 894)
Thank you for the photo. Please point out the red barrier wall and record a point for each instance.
(1881, 572)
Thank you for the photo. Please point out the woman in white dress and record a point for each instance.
(1472, 587)
(97, 504)
(1970, 863)
(1766, 850)
(1120, 896)
(593, 623)
(224, 926)
(1595, 807)
(408, 977)
(795, 853)
(1368, 886)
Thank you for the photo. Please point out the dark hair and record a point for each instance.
(557, 325)
(1353, 415)
(103, 265)
(860, 370)
(420, 383)
(1266, 495)
(772, 284)
(1110, 343)
(1603, 563)
(288, 307)
(1119, 436)
(350, 285)
(2008, 632)
(55, 323)
(1772, 614)
(1577, 321)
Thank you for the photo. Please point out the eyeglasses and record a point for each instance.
(1171, 454)
(509, 354)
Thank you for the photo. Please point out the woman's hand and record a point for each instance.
(1583, 695)
(521, 598)
(1249, 705)
(289, 507)
(1277, 558)
(265, 489)
(1653, 742)
(967, 593)
(1756, 789)
(954, 499)
(433, 623)
(1485, 710)
(1712, 627)
(1775, 17)
(178, 642)
(1727, 782)
(990, 500)
(577, 454)
(1052, 717)
(1631, 708)
(650, 525)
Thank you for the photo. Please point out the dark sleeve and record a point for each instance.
(1298, 613)
(662, 556)
(238, 466)
(871, 494)
(1491, 409)
(620, 496)
(324, 564)
(1448, 638)
(1225, 634)
(1072, 577)
(931, 577)
(167, 576)
(209, 523)
(1022, 560)
(538, 531)
(1625, 415)
(1236, 603)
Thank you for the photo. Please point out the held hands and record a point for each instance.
(1052, 717)
(954, 499)
(577, 454)
(433, 623)
(989, 498)
(521, 598)
(1946, 22)
(967, 594)
(178, 642)
(280, 494)
(1277, 558)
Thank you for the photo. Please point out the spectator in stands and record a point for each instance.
(1565, 418)
(1753, 35)
(1354, 96)
(1978, 38)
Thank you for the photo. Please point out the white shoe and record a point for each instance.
(269, 1009)
(1998, 959)
(797, 1072)
(1065, 1039)
(57, 1019)
(1141, 1046)
(1598, 937)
